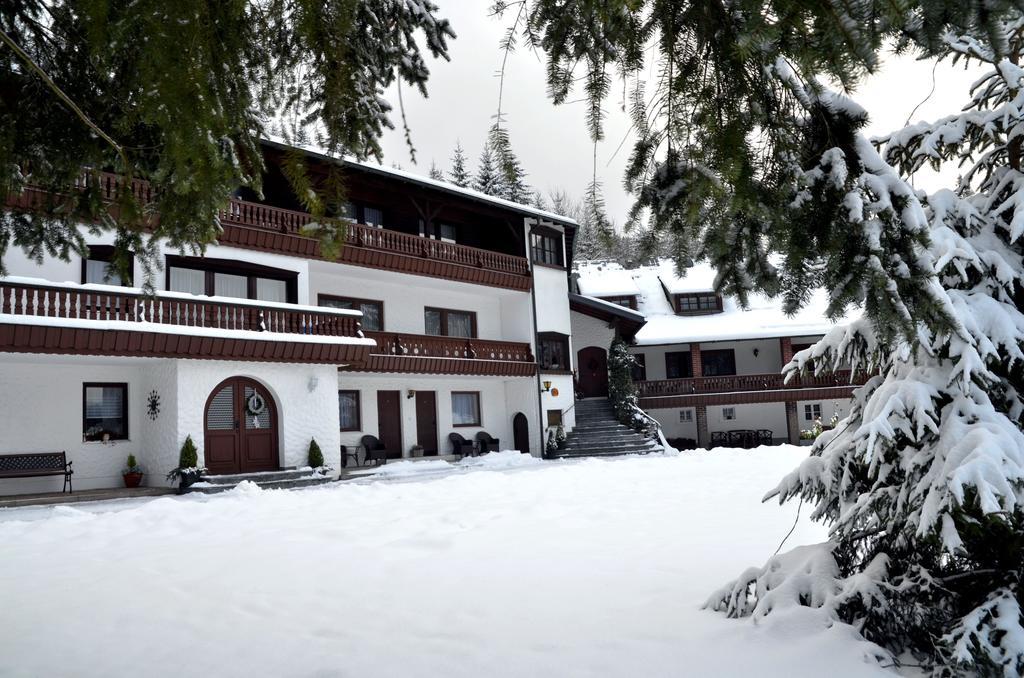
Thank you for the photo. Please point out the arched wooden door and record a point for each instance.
(592, 363)
(241, 428)
(521, 433)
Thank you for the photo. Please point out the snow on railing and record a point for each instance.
(110, 303)
(429, 346)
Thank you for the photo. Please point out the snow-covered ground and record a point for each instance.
(514, 567)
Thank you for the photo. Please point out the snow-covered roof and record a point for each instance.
(607, 307)
(605, 279)
(764, 318)
(322, 154)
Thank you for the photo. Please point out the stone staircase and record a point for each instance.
(284, 479)
(599, 434)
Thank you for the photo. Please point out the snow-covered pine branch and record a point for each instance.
(922, 485)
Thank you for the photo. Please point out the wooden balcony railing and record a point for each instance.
(428, 346)
(290, 222)
(743, 382)
(105, 303)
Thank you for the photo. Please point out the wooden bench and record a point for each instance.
(37, 464)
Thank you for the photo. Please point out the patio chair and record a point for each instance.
(349, 453)
(737, 438)
(486, 442)
(375, 450)
(719, 439)
(765, 436)
(460, 446)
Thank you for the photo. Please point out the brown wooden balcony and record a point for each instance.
(424, 354)
(257, 226)
(745, 388)
(43, 317)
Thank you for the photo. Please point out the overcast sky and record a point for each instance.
(552, 141)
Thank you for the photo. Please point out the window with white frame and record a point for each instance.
(685, 416)
(812, 411)
(729, 413)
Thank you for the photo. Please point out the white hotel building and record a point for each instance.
(446, 311)
(709, 371)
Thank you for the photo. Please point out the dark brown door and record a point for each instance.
(521, 432)
(389, 422)
(241, 428)
(426, 422)
(593, 370)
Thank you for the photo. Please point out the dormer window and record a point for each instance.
(626, 301)
(703, 303)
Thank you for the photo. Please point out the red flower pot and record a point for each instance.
(132, 479)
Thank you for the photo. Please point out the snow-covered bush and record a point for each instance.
(551, 446)
(922, 484)
(560, 439)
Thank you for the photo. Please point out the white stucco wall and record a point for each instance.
(828, 408)
(41, 411)
(756, 416)
(590, 331)
(670, 424)
(500, 400)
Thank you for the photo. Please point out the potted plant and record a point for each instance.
(188, 470)
(133, 474)
(560, 439)
(416, 451)
(551, 447)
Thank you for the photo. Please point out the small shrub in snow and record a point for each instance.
(188, 470)
(316, 457)
(560, 438)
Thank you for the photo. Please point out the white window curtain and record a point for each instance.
(188, 280)
(103, 403)
(98, 272)
(432, 321)
(460, 325)
(271, 290)
(348, 410)
(371, 317)
(228, 285)
(465, 409)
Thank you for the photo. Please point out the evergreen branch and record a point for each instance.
(38, 70)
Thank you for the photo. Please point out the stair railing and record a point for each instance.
(652, 429)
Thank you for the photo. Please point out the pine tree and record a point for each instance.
(459, 174)
(923, 483)
(716, 160)
(187, 120)
(621, 389)
(488, 178)
(512, 175)
(435, 172)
